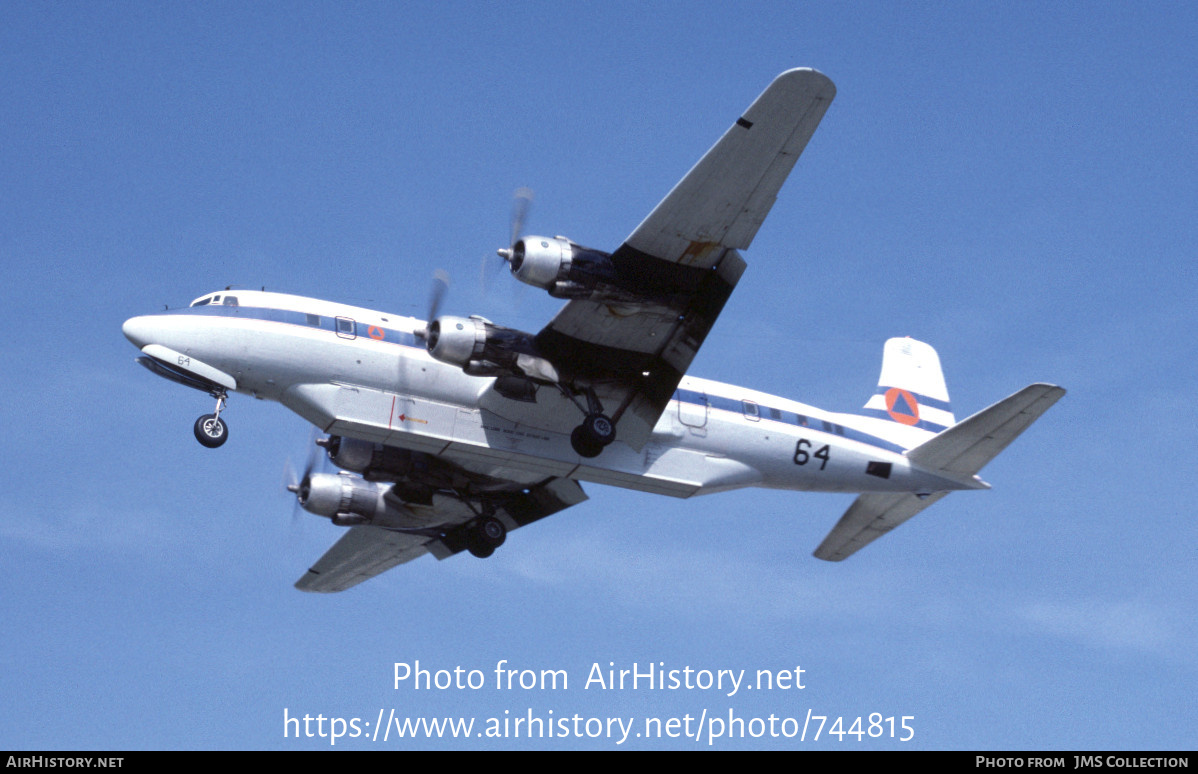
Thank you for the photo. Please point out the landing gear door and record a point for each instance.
(692, 408)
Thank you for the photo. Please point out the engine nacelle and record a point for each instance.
(542, 261)
(377, 462)
(326, 494)
(348, 501)
(457, 340)
(481, 348)
(566, 269)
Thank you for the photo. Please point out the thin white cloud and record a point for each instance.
(1120, 624)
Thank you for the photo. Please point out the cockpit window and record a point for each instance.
(202, 301)
(230, 300)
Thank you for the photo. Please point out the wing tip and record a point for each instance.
(809, 76)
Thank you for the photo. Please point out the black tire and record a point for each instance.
(480, 549)
(211, 431)
(491, 532)
(584, 444)
(601, 429)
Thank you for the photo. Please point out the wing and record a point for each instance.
(365, 551)
(725, 197)
(361, 553)
(683, 259)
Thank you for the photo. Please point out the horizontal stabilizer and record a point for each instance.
(961, 450)
(870, 517)
(967, 446)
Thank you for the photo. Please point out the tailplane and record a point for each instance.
(959, 451)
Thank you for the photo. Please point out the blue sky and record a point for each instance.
(1014, 184)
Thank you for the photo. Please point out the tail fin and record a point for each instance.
(911, 389)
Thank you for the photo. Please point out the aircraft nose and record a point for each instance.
(137, 330)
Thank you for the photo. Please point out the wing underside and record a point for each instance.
(683, 259)
(365, 550)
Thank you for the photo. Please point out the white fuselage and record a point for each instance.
(364, 374)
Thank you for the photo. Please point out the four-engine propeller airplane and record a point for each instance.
(452, 432)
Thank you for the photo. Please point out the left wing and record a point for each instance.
(683, 262)
(365, 551)
(359, 555)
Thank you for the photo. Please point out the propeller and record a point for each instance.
(297, 484)
(436, 296)
(521, 204)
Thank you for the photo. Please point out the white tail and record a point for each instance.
(911, 390)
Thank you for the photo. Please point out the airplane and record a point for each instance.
(451, 432)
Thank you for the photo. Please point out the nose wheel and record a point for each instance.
(210, 430)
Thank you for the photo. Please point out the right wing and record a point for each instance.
(365, 551)
(683, 260)
(725, 197)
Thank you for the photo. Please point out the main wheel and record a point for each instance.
(491, 531)
(600, 428)
(485, 536)
(481, 550)
(584, 443)
(595, 432)
(211, 431)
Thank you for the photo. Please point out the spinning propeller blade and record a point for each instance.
(521, 204)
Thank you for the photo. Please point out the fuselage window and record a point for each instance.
(313, 319)
(345, 328)
(751, 410)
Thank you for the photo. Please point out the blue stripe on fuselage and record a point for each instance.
(303, 320)
(771, 414)
(407, 339)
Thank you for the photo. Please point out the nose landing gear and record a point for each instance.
(210, 430)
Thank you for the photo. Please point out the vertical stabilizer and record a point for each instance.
(911, 390)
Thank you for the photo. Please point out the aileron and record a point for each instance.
(726, 196)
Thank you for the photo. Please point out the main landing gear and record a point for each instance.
(595, 433)
(487, 534)
(597, 430)
(210, 429)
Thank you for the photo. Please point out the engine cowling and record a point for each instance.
(542, 261)
(348, 501)
(481, 348)
(457, 340)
